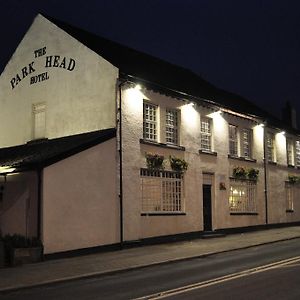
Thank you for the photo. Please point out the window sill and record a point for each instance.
(243, 214)
(162, 145)
(242, 158)
(208, 152)
(289, 211)
(273, 163)
(150, 214)
(291, 166)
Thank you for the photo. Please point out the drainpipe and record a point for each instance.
(265, 173)
(39, 205)
(121, 166)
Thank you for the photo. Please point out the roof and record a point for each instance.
(164, 76)
(44, 152)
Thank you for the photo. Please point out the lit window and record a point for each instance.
(39, 120)
(270, 147)
(291, 191)
(246, 143)
(206, 134)
(298, 153)
(233, 141)
(162, 191)
(150, 122)
(242, 196)
(172, 126)
(290, 152)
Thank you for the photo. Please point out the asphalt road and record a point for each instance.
(281, 281)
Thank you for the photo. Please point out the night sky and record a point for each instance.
(248, 47)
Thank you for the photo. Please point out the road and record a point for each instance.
(282, 282)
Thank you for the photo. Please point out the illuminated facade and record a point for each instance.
(101, 145)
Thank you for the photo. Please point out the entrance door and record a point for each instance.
(207, 218)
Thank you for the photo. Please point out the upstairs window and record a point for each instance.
(270, 147)
(290, 152)
(172, 126)
(246, 143)
(150, 122)
(298, 153)
(39, 120)
(233, 141)
(206, 134)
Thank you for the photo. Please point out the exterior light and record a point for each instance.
(138, 87)
(282, 132)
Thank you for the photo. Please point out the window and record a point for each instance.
(162, 191)
(150, 122)
(242, 196)
(172, 126)
(270, 147)
(290, 152)
(206, 134)
(39, 120)
(298, 153)
(246, 143)
(292, 190)
(233, 141)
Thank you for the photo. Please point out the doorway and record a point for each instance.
(207, 216)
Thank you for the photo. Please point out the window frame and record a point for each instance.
(233, 141)
(270, 147)
(148, 124)
(246, 144)
(172, 129)
(206, 135)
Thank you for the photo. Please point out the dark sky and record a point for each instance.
(248, 47)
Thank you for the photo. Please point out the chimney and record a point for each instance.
(289, 115)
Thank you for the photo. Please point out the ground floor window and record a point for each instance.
(242, 196)
(162, 191)
(291, 190)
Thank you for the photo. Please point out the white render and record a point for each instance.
(76, 101)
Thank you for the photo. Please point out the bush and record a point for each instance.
(20, 241)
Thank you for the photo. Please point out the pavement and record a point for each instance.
(92, 265)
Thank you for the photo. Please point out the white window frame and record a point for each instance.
(172, 126)
(150, 124)
(39, 120)
(270, 141)
(297, 154)
(233, 140)
(206, 134)
(291, 191)
(246, 143)
(242, 196)
(290, 156)
(162, 191)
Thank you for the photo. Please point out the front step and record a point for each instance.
(212, 234)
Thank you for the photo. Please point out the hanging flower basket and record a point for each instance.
(178, 164)
(293, 178)
(252, 174)
(239, 173)
(154, 161)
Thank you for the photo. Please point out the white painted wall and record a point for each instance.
(80, 203)
(137, 226)
(76, 101)
(18, 208)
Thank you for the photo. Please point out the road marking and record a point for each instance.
(203, 284)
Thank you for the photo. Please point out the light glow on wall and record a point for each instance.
(6, 169)
(190, 116)
(133, 97)
(281, 143)
(218, 121)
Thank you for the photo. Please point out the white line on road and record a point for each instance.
(210, 282)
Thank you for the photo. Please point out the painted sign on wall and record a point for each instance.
(51, 61)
